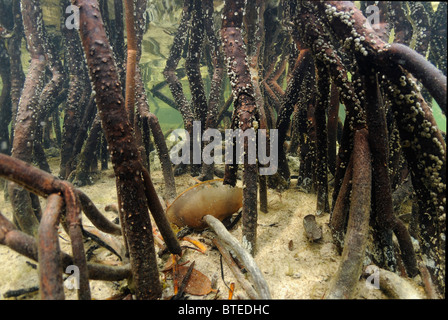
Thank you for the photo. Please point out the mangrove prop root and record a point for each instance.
(216, 87)
(28, 176)
(158, 213)
(50, 277)
(350, 268)
(432, 78)
(86, 122)
(245, 107)
(332, 127)
(376, 120)
(162, 151)
(338, 218)
(16, 69)
(311, 34)
(131, 61)
(159, 141)
(192, 63)
(150, 120)
(304, 61)
(322, 105)
(422, 144)
(254, 25)
(26, 245)
(27, 111)
(170, 70)
(263, 193)
(17, 240)
(78, 94)
(425, 152)
(43, 184)
(125, 155)
(231, 243)
(81, 175)
(35, 101)
(73, 217)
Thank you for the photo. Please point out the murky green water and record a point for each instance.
(163, 18)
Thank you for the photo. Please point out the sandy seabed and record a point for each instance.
(293, 267)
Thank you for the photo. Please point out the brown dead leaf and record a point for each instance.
(198, 285)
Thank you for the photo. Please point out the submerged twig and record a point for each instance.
(246, 285)
(231, 243)
(19, 292)
(131, 62)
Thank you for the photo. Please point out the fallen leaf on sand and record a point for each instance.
(198, 285)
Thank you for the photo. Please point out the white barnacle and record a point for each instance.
(410, 98)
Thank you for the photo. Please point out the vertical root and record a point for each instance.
(347, 276)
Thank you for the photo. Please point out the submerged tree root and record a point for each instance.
(396, 287)
(61, 195)
(28, 247)
(245, 115)
(44, 184)
(232, 244)
(125, 155)
(50, 278)
(350, 268)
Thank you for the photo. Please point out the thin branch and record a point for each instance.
(231, 243)
(131, 62)
(246, 285)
